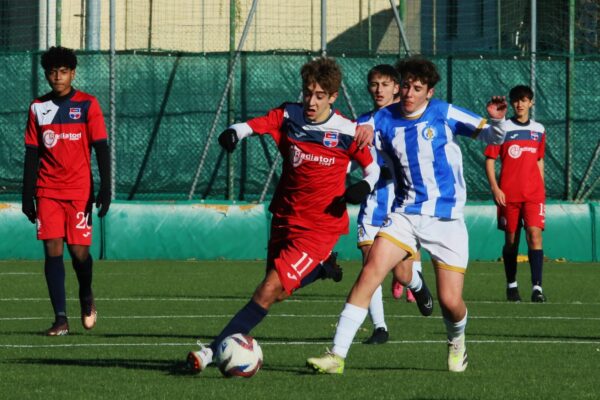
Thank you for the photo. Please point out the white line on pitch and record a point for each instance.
(292, 300)
(537, 317)
(293, 343)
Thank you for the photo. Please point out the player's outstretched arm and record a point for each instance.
(29, 176)
(494, 133)
(230, 137)
(104, 197)
(497, 107)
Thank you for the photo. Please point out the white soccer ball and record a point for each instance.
(239, 355)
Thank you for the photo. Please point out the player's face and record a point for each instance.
(317, 102)
(383, 90)
(414, 94)
(60, 79)
(521, 108)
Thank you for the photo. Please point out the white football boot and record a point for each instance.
(457, 354)
(198, 360)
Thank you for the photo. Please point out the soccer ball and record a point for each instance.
(239, 355)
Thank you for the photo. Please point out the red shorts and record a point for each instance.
(518, 214)
(295, 252)
(64, 219)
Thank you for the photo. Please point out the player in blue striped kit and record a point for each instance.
(384, 87)
(419, 133)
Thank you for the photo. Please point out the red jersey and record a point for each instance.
(315, 161)
(520, 177)
(63, 130)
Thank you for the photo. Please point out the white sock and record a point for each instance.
(536, 287)
(376, 309)
(417, 266)
(415, 283)
(513, 285)
(455, 329)
(350, 320)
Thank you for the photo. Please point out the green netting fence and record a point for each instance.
(166, 104)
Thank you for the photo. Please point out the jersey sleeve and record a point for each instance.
(542, 146)
(31, 130)
(492, 151)
(269, 124)
(95, 123)
(464, 122)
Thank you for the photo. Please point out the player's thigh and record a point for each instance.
(510, 216)
(78, 227)
(447, 241)
(299, 254)
(52, 219)
(449, 285)
(534, 214)
(398, 229)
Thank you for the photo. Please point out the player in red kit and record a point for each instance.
(520, 196)
(62, 127)
(309, 204)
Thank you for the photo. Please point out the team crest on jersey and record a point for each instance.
(331, 139)
(534, 135)
(75, 113)
(428, 133)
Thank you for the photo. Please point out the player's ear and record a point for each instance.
(333, 97)
(430, 93)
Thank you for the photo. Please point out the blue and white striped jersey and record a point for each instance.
(427, 157)
(378, 204)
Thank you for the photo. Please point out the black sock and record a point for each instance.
(54, 269)
(243, 322)
(83, 270)
(317, 273)
(510, 265)
(536, 262)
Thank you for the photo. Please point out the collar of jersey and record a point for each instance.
(60, 99)
(331, 112)
(416, 114)
(514, 121)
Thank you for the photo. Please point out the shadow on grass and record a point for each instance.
(175, 368)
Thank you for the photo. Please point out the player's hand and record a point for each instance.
(497, 107)
(28, 208)
(103, 200)
(364, 135)
(499, 197)
(228, 140)
(357, 193)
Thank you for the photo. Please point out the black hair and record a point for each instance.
(520, 92)
(384, 70)
(58, 56)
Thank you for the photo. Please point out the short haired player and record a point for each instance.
(309, 203)
(520, 196)
(62, 128)
(383, 85)
(419, 134)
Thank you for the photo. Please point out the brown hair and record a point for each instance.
(420, 69)
(323, 71)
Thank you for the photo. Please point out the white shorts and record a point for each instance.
(366, 234)
(446, 240)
